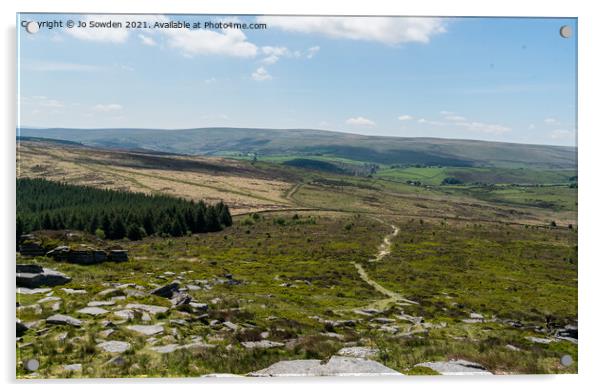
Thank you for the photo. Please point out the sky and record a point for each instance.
(500, 79)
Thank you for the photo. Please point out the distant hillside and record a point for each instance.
(308, 142)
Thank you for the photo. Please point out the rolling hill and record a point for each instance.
(317, 143)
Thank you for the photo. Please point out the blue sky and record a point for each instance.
(502, 79)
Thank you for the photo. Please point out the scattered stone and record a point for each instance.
(166, 291)
(125, 314)
(193, 287)
(456, 368)
(60, 253)
(116, 361)
(31, 248)
(539, 340)
(135, 293)
(178, 322)
(477, 316)
(336, 366)
(169, 348)
(383, 320)
(180, 299)
(512, 348)
(358, 352)
(118, 255)
(92, 311)
(169, 273)
(56, 306)
(389, 329)
(221, 375)
(76, 367)
(231, 326)
(101, 303)
(61, 319)
(333, 335)
(49, 299)
(264, 335)
(152, 309)
(106, 333)
(198, 307)
(45, 277)
(74, 291)
(261, 344)
(110, 292)
(114, 346)
(145, 317)
(25, 290)
(147, 330)
(411, 319)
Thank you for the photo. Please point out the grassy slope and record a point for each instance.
(479, 263)
(267, 142)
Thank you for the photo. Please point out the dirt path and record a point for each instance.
(392, 297)
(385, 247)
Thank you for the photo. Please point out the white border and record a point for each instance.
(590, 217)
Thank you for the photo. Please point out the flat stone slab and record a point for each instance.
(147, 330)
(125, 314)
(48, 277)
(75, 367)
(169, 348)
(49, 299)
(101, 303)
(61, 319)
(26, 291)
(261, 344)
(539, 340)
(114, 346)
(152, 309)
(74, 291)
(358, 352)
(457, 368)
(336, 366)
(92, 311)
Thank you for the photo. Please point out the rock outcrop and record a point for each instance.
(336, 366)
(33, 276)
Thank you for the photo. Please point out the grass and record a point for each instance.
(460, 249)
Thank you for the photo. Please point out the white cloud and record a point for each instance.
(477, 126)
(210, 81)
(148, 41)
(111, 107)
(446, 113)
(455, 118)
(562, 134)
(405, 117)
(191, 42)
(206, 42)
(42, 101)
(387, 30)
(274, 53)
(311, 52)
(261, 74)
(360, 121)
(550, 120)
(531, 126)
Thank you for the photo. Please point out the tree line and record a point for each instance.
(112, 214)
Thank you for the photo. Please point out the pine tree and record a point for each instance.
(118, 230)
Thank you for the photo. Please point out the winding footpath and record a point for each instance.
(392, 297)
